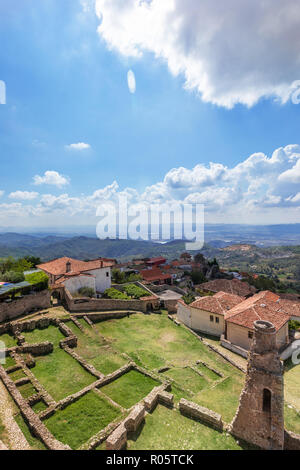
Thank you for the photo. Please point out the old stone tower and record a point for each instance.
(260, 416)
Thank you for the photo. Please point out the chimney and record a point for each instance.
(68, 267)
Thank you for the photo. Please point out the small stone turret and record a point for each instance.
(260, 416)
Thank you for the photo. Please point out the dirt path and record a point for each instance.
(15, 437)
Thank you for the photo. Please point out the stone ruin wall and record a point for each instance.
(16, 308)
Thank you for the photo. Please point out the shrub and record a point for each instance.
(135, 291)
(86, 292)
(38, 280)
(188, 298)
(115, 294)
(13, 277)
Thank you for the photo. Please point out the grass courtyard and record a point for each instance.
(153, 342)
(167, 429)
(77, 423)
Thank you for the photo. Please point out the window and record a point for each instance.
(250, 334)
(211, 318)
(107, 274)
(217, 320)
(267, 396)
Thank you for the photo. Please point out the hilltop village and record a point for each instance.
(146, 339)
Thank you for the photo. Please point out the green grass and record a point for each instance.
(39, 406)
(210, 374)
(223, 398)
(190, 378)
(292, 383)
(166, 429)
(81, 420)
(18, 374)
(8, 340)
(9, 362)
(130, 388)
(94, 350)
(34, 443)
(154, 341)
(291, 419)
(60, 374)
(52, 334)
(27, 390)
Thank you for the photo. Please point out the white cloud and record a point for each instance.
(51, 178)
(23, 195)
(292, 175)
(259, 189)
(131, 82)
(1, 193)
(230, 52)
(78, 147)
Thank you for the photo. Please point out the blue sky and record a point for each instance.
(66, 84)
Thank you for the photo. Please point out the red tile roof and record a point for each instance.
(159, 260)
(154, 275)
(219, 303)
(263, 306)
(58, 266)
(233, 286)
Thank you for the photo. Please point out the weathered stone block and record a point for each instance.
(200, 413)
(118, 439)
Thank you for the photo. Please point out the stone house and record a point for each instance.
(75, 274)
(207, 314)
(264, 306)
(231, 317)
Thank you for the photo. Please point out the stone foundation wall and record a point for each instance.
(291, 441)
(32, 420)
(18, 307)
(94, 305)
(192, 410)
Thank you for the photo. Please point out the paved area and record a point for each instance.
(15, 436)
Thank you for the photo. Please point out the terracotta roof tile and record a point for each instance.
(59, 266)
(263, 306)
(220, 303)
(233, 286)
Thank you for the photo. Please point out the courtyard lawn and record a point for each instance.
(60, 374)
(130, 388)
(209, 374)
(39, 406)
(9, 362)
(192, 380)
(154, 341)
(222, 398)
(95, 351)
(18, 374)
(52, 334)
(8, 340)
(292, 383)
(81, 420)
(27, 390)
(167, 429)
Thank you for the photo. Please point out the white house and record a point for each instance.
(74, 274)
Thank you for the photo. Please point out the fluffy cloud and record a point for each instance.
(51, 178)
(256, 190)
(1, 193)
(131, 82)
(292, 175)
(78, 147)
(230, 52)
(23, 195)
